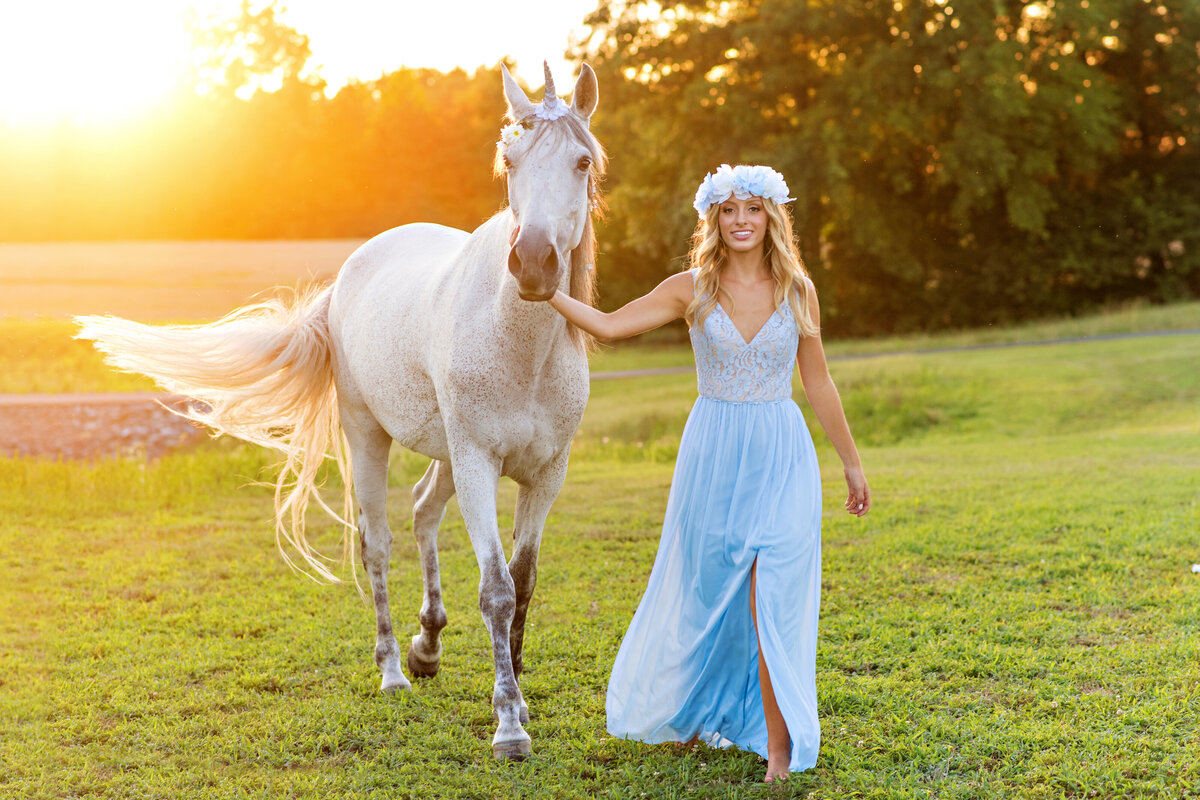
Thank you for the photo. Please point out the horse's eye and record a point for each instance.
(584, 164)
(507, 163)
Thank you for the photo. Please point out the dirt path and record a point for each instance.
(90, 426)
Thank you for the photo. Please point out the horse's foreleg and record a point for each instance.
(429, 506)
(475, 479)
(533, 505)
(369, 445)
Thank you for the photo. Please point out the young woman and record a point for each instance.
(722, 648)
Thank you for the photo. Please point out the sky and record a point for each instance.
(102, 60)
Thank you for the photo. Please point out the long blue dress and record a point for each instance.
(746, 487)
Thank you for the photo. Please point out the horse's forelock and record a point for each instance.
(570, 123)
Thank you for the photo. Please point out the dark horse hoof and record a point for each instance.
(422, 668)
(517, 750)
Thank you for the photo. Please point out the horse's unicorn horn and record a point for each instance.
(550, 97)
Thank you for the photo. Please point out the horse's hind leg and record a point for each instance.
(430, 496)
(369, 445)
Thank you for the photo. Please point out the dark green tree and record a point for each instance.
(953, 163)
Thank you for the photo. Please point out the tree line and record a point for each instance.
(252, 148)
(954, 163)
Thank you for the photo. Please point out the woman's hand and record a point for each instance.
(858, 502)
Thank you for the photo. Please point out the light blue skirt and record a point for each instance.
(746, 487)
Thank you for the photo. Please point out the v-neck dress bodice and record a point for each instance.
(731, 369)
(746, 494)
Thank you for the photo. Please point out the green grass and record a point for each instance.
(1131, 319)
(1016, 617)
(40, 355)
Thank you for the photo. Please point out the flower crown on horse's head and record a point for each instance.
(742, 182)
(550, 109)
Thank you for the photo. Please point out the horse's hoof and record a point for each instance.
(422, 668)
(514, 750)
(395, 682)
(392, 688)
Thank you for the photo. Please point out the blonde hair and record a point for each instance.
(708, 257)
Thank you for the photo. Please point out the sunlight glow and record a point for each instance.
(86, 62)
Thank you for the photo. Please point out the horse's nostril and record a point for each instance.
(514, 263)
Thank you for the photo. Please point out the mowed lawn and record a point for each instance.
(1016, 617)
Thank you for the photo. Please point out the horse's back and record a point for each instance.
(398, 260)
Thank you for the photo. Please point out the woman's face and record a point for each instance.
(743, 224)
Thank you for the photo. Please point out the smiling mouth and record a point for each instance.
(742, 234)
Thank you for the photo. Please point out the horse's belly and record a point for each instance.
(428, 439)
(402, 399)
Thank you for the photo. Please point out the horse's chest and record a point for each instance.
(525, 420)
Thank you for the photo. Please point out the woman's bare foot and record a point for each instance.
(777, 767)
(692, 742)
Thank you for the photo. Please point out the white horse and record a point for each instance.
(431, 337)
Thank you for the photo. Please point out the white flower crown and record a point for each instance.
(742, 182)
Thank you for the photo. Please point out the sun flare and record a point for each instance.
(87, 62)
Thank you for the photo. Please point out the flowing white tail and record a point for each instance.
(264, 373)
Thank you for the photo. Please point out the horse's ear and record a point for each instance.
(586, 94)
(519, 106)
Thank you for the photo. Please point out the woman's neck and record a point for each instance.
(745, 267)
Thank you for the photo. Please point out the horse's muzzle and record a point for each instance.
(536, 270)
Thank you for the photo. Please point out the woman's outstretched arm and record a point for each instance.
(666, 302)
(827, 405)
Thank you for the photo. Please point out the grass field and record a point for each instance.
(39, 355)
(1016, 617)
(43, 285)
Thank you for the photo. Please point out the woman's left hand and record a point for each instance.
(858, 502)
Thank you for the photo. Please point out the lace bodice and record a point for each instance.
(730, 368)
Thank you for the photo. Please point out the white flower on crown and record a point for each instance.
(511, 133)
(742, 182)
(724, 183)
(548, 110)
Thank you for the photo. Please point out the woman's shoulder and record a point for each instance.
(683, 284)
(682, 280)
(680, 287)
(805, 287)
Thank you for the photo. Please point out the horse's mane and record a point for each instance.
(583, 257)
